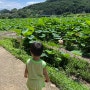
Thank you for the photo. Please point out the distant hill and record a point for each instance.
(58, 7)
(50, 7)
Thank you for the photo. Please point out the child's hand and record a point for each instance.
(25, 75)
(46, 75)
(60, 42)
(26, 72)
(47, 80)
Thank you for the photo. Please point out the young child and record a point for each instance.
(36, 68)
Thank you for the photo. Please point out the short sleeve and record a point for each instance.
(27, 61)
(43, 64)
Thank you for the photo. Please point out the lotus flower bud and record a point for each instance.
(60, 42)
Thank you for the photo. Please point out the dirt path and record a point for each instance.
(62, 50)
(12, 72)
(7, 34)
(74, 56)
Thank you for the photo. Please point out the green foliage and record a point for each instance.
(79, 68)
(27, 31)
(27, 41)
(11, 45)
(77, 52)
(63, 82)
(71, 65)
(56, 76)
(73, 30)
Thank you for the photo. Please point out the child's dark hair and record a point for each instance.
(36, 48)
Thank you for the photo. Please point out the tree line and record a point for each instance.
(47, 8)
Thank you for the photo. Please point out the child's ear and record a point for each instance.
(31, 53)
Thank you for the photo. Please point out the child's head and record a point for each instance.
(36, 48)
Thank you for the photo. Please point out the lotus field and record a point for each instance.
(75, 33)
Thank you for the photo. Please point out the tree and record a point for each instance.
(4, 11)
(14, 10)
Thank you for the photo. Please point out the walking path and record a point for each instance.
(12, 72)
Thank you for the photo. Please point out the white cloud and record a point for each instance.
(9, 5)
(30, 3)
(1, 2)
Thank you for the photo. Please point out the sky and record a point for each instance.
(10, 4)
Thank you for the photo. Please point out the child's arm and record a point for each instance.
(46, 75)
(26, 72)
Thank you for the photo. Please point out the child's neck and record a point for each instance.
(36, 58)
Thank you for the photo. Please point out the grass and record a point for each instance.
(57, 77)
(77, 52)
(8, 44)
